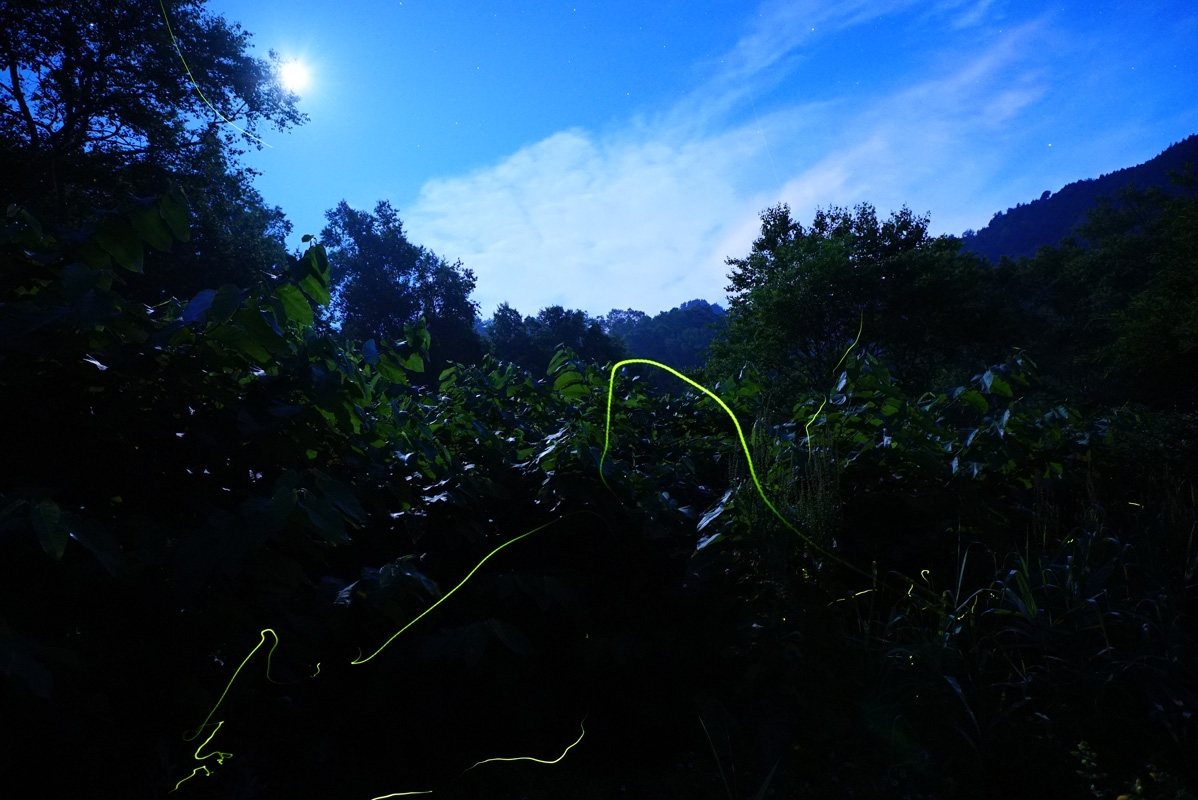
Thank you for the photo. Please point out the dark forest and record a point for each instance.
(910, 516)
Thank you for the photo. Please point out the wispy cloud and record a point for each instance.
(644, 217)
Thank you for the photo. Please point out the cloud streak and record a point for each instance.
(644, 216)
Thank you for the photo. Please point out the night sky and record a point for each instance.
(612, 154)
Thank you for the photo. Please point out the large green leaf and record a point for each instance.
(295, 305)
(51, 527)
(324, 519)
(314, 267)
(150, 227)
(102, 544)
(120, 240)
(389, 370)
(174, 212)
(17, 661)
(417, 335)
(510, 635)
(226, 300)
(571, 385)
(197, 307)
(237, 338)
(974, 399)
(340, 495)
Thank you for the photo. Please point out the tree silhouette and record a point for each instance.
(96, 104)
(531, 342)
(799, 299)
(381, 281)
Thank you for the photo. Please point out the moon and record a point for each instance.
(294, 76)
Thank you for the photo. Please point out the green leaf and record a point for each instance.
(999, 386)
(237, 338)
(570, 385)
(388, 369)
(315, 270)
(226, 300)
(413, 363)
(295, 305)
(101, 543)
(16, 660)
(560, 357)
(120, 240)
(324, 519)
(974, 399)
(417, 336)
(259, 330)
(341, 496)
(284, 497)
(198, 307)
(174, 211)
(51, 528)
(150, 227)
(93, 255)
(510, 635)
(398, 575)
(370, 352)
(714, 512)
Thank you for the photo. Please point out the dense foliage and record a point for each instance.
(284, 531)
(804, 294)
(530, 342)
(680, 337)
(382, 282)
(1116, 320)
(1025, 228)
(96, 104)
(957, 579)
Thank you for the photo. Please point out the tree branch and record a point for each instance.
(30, 124)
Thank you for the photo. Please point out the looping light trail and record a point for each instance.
(744, 446)
(739, 433)
(189, 737)
(207, 723)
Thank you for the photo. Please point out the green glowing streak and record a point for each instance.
(194, 772)
(220, 756)
(448, 594)
(188, 737)
(860, 328)
(191, 78)
(824, 402)
(538, 760)
(611, 385)
(399, 794)
(807, 427)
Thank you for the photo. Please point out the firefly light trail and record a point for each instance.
(221, 756)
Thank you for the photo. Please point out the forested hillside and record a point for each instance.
(300, 525)
(1024, 229)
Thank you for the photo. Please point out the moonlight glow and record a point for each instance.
(294, 76)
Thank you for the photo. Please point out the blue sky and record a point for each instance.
(602, 155)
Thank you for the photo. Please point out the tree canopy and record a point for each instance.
(530, 342)
(382, 282)
(802, 295)
(1111, 308)
(100, 101)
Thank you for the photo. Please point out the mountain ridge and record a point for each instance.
(1024, 229)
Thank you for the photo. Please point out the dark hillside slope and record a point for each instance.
(1023, 230)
